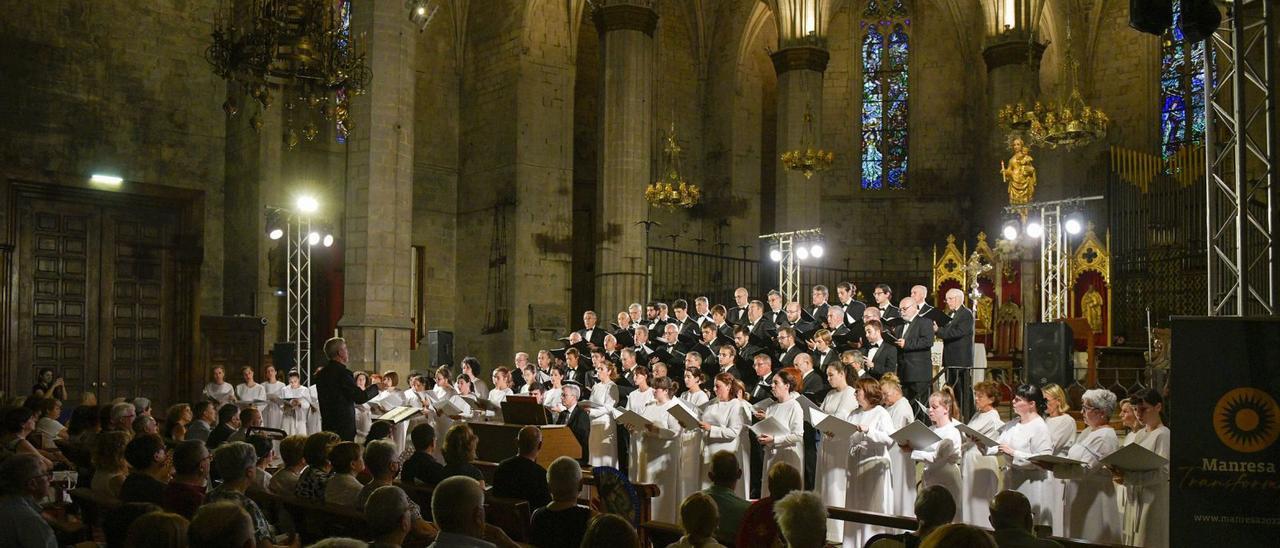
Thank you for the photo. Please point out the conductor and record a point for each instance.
(338, 392)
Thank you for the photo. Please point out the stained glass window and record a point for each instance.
(885, 47)
(344, 38)
(1181, 89)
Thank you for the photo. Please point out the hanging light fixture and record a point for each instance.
(808, 158)
(672, 190)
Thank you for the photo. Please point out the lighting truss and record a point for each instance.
(298, 292)
(788, 270)
(1241, 150)
(1055, 265)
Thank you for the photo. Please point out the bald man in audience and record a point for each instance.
(1013, 523)
(520, 476)
(457, 505)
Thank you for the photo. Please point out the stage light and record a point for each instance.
(308, 204)
(1035, 229)
(817, 251)
(421, 13)
(1010, 230)
(775, 255)
(328, 240)
(105, 179)
(279, 292)
(1074, 224)
(802, 252)
(313, 238)
(275, 223)
(275, 233)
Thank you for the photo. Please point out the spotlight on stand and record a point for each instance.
(816, 251)
(775, 255)
(1034, 228)
(327, 241)
(802, 252)
(308, 204)
(313, 238)
(1010, 230)
(1074, 223)
(275, 224)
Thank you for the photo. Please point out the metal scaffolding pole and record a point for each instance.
(788, 270)
(1240, 149)
(298, 292)
(1054, 270)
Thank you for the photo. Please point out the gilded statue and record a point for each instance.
(1091, 303)
(1019, 173)
(983, 311)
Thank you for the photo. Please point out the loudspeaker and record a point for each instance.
(282, 358)
(1200, 19)
(1049, 353)
(440, 347)
(1151, 16)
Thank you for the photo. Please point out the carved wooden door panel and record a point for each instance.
(137, 281)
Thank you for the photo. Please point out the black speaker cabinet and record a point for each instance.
(1049, 353)
(440, 347)
(1151, 16)
(282, 359)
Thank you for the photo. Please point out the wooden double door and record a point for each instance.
(96, 296)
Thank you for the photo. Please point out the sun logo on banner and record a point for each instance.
(1247, 420)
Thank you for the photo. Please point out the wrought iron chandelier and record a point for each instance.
(672, 190)
(808, 158)
(300, 50)
(1068, 122)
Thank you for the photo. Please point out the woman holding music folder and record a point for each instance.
(603, 440)
(1091, 512)
(981, 473)
(1146, 511)
(833, 452)
(636, 402)
(902, 469)
(942, 458)
(659, 451)
(787, 444)
(870, 485)
(1023, 438)
(723, 422)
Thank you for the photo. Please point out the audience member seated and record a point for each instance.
(802, 518)
(142, 406)
(24, 480)
(122, 415)
(724, 475)
(759, 527)
(202, 426)
(235, 462)
(958, 535)
(343, 488)
(700, 519)
(109, 466)
(228, 422)
(149, 459)
(176, 422)
(388, 513)
(457, 505)
(1013, 522)
(117, 521)
(18, 423)
(285, 480)
(312, 481)
(145, 424)
(563, 521)
(48, 429)
(934, 508)
(249, 417)
(460, 453)
(378, 430)
(383, 463)
(612, 531)
(421, 466)
(520, 476)
(185, 493)
(264, 448)
(159, 530)
(221, 525)
(83, 428)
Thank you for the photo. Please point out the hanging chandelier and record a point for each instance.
(672, 190)
(1068, 122)
(808, 159)
(300, 51)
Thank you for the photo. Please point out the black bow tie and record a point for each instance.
(874, 346)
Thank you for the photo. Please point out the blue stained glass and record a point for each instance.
(1182, 90)
(343, 38)
(885, 56)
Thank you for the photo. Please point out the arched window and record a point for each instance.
(885, 43)
(1181, 90)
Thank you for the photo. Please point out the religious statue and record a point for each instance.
(1091, 303)
(983, 314)
(1019, 173)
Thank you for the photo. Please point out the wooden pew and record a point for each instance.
(319, 521)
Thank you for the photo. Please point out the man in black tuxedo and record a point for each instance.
(728, 361)
(520, 476)
(338, 393)
(701, 310)
(818, 297)
(738, 314)
(762, 332)
(814, 386)
(957, 350)
(746, 354)
(776, 312)
(761, 391)
(884, 301)
(824, 353)
(574, 370)
(622, 333)
(593, 335)
(915, 367)
(643, 348)
(787, 344)
(844, 336)
(920, 294)
(881, 357)
(709, 347)
(576, 418)
(684, 324)
(846, 293)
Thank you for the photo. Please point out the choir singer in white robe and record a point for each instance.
(297, 406)
(724, 421)
(902, 468)
(942, 459)
(1023, 438)
(659, 454)
(788, 448)
(870, 485)
(981, 473)
(1146, 511)
(273, 414)
(603, 440)
(1090, 507)
(833, 451)
(1062, 433)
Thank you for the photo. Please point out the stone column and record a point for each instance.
(626, 152)
(379, 197)
(800, 71)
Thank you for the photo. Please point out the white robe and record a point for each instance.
(313, 418)
(942, 460)
(496, 397)
(219, 394)
(902, 468)
(256, 393)
(1090, 510)
(659, 455)
(1146, 512)
(273, 415)
(636, 403)
(294, 419)
(980, 473)
(1062, 433)
(728, 420)
(602, 444)
(788, 448)
(832, 480)
(1027, 440)
(389, 399)
(870, 485)
(695, 399)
